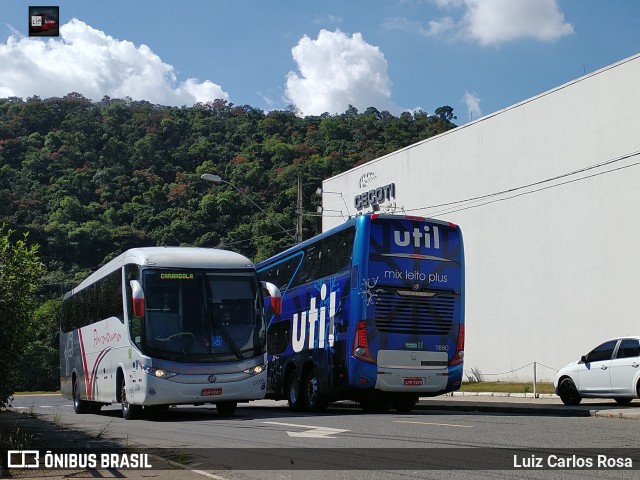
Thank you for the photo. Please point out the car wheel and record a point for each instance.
(624, 400)
(568, 392)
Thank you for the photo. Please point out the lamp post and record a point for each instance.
(217, 180)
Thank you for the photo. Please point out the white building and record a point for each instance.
(547, 193)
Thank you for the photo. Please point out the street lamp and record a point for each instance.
(320, 192)
(217, 180)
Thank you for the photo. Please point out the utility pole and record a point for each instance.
(299, 212)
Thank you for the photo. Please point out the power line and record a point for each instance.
(541, 182)
(539, 189)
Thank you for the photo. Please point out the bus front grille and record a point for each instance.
(428, 315)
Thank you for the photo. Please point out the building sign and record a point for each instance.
(375, 196)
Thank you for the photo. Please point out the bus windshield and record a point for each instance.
(199, 316)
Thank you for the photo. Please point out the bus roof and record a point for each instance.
(365, 217)
(170, 257)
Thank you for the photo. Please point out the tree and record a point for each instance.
(20, 274)
(40, 365)
(445, 113)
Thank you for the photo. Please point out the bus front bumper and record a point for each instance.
(182, 390)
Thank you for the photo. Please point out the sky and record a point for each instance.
(477, 56)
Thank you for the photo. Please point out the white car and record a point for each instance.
(611, 370)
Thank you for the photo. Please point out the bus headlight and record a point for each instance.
(157, 372)
(258, 369)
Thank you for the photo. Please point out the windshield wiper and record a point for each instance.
(226, 336)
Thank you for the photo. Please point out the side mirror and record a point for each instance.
(583, 359)
(138, 298)
(276, 298)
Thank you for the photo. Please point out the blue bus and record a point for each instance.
(372, 311)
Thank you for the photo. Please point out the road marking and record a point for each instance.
(312, 432)
(190, 467)
(436, 424)
(38, 406)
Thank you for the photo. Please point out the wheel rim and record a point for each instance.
(312, 391)
(568, 390)
(76, 397)
(125, 403)
(293, 390)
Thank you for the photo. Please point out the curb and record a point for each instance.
(503, 394)
(499, 402)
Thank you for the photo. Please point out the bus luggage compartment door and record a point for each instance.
(412, 371)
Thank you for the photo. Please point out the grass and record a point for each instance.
(506, 387)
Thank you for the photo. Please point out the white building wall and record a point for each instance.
(552, 269)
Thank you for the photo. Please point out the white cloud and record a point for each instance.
(472, 101)
(492, 22)
(94, 64)
(336, 71)
(434, 27)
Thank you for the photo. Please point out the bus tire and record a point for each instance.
(313, 401)
(405, 403)
(79, 406)
(375, 404)
(292, 388)
(226, 408)
(129, 412)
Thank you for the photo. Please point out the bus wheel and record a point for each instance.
(226, 408)
(312, 400)
(375, 405)
(79, 406)
(405, 403)
(292, 387)
(129, 412)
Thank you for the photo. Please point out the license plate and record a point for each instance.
(206, 392)
(413, 381)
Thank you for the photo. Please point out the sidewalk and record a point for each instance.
(25, 432)
(526, 403)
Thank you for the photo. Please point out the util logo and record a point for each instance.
(421, 238)
(316, 319)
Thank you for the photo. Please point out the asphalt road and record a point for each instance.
(344, 440)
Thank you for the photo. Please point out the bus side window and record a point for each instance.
(281, 274)
(336, 252)
(278, 337)
(310, 267)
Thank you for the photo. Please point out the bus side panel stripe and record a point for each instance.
(94, 372)
(87, 382)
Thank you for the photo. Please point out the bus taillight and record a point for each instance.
(459, 355)
(361, 343)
